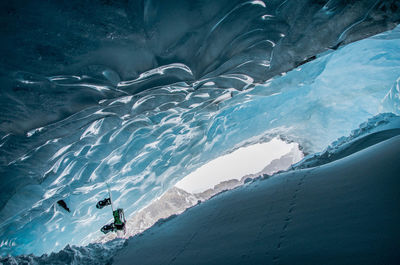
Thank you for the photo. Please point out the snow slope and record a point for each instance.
(343, 212)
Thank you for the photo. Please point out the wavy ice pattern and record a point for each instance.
(144, 143)
(143, 118)
(61, 57)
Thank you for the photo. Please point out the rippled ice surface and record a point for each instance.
(142, 144)
(142, 140)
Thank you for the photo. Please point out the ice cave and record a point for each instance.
(136, 100)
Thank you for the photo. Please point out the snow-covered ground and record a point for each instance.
(343, 212)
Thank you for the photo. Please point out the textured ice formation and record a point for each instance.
(141, 100)
(61, 57)
(143, 144)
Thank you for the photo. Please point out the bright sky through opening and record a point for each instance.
(246, 160)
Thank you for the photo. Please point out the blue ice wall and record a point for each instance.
(143, 144)
(99, 43)
(73, 119)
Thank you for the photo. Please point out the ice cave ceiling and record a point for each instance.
(113, 41)
(140, 93)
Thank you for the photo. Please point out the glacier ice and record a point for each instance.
(73, 118)
(143, 144)
(56, 65)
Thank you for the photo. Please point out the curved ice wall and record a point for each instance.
(140, 93)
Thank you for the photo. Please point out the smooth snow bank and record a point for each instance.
(343, 212)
